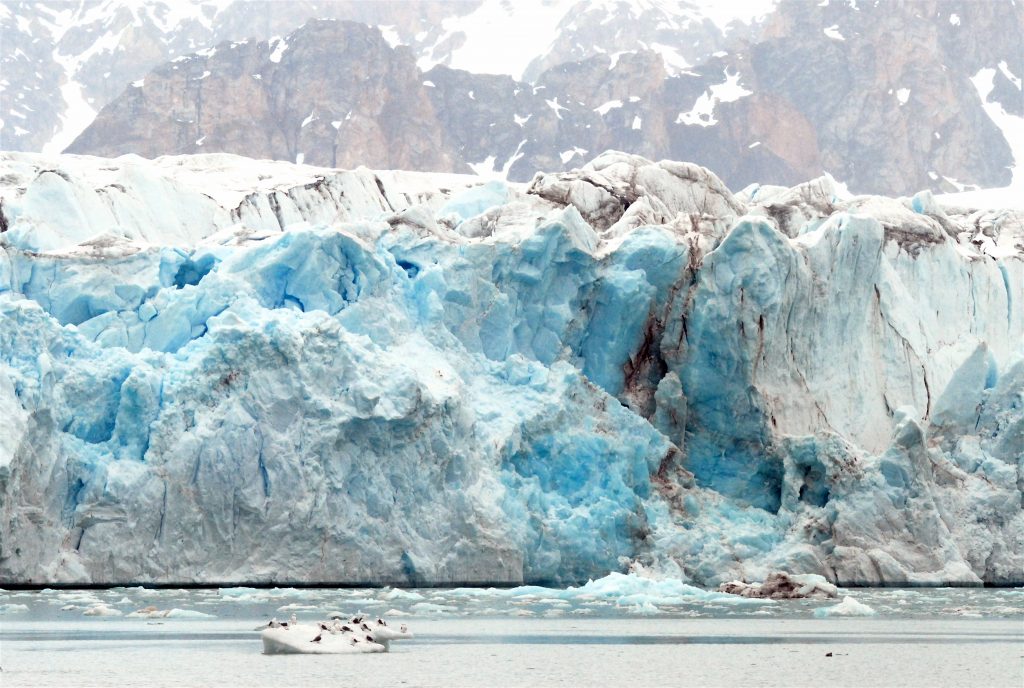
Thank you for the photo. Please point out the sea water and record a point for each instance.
(530, 636)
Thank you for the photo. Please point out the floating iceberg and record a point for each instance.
(848, 607)
(13, 608)
(352, 636)
(102, 610)
(783, 586)
(217, 370)
(152, 612)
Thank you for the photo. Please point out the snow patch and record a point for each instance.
(605, 108)
(1011, 126)
(568, 155)
(1014, 79)
(390, 34)
(78, 113)
(485, 168)
(279, 46)
(833, 33)
(553, 104)
(703, 111)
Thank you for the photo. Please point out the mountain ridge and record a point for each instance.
(800, 91)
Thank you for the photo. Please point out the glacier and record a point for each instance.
(216, 370)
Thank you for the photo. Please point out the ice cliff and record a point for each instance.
(216, 369)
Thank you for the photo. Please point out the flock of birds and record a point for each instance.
(334, 636)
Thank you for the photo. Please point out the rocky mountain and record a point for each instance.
(65, 60)
(891, 97)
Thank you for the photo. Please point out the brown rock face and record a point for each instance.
(879, 96)
(334, 93)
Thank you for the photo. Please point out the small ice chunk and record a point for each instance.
(12, 608)
(848, 607)
(101, 610)
(399, 594)
(903, 95)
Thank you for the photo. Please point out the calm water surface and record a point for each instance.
(519, 637)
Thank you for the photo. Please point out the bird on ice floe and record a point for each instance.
(310, 638)
(273, 623)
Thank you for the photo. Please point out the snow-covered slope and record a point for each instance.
(217, 369)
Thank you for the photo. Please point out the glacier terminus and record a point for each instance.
(219, 370)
